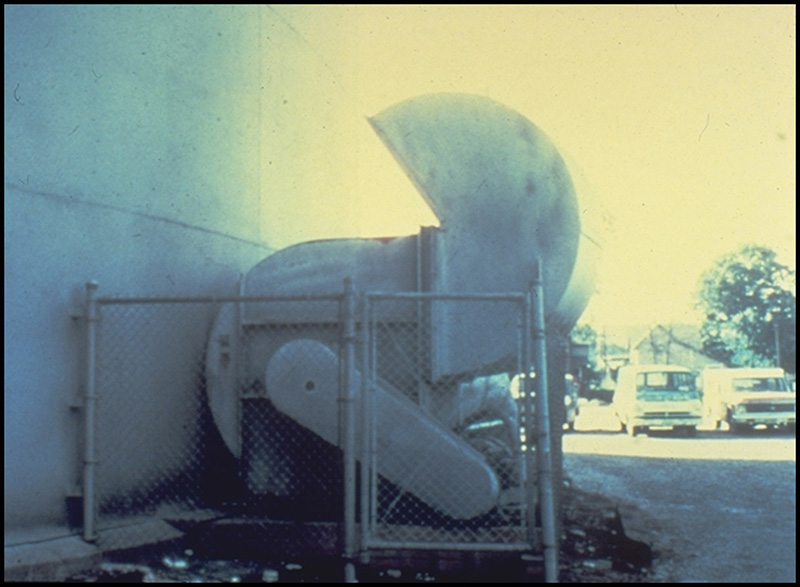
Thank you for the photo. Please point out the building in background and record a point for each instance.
(677, 344)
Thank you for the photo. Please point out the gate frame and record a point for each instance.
(368, 478)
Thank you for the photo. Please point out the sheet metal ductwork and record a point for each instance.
(504, 198)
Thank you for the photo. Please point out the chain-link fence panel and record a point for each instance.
(207, 408)
(446, 457)
(150, 429)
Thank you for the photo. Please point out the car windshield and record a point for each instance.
(760, 384)
(665, 381)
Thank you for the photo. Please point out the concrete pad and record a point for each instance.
(52, 560)
(58, 559)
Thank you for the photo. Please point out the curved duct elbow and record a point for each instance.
(505, 201)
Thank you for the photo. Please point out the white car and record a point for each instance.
(749, 397)
(571, 388)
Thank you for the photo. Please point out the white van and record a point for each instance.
(748, 397)
(657, 397)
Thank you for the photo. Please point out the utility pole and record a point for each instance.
(774, 317)
(777, 343)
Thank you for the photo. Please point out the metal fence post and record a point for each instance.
(530, 426)
(366, 429)
(347, 396)
(543, 448)
(372, 423)
(89, 417)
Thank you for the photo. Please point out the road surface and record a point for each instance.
(720, 507)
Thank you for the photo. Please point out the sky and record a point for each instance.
(677, 121)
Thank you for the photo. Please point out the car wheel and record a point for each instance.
(737, 428)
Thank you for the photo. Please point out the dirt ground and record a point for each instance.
(605, 541)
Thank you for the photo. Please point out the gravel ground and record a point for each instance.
(717, 507)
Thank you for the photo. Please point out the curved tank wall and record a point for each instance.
(160, 151)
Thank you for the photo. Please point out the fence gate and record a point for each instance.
(443, 453)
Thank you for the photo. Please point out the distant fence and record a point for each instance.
(312, 408)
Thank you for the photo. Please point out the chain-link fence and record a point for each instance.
(445, 455)
(150, 434)
(178, 419)
(387, 413)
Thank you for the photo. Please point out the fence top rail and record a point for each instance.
(421, 296)
(107, 301)
(467, 297)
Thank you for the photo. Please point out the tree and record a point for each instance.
(749, 302)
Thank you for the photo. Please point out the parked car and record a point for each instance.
(571, 407)
(747, 398)
(571, 393)
(651, 397)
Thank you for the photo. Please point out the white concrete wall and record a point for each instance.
(157, 150)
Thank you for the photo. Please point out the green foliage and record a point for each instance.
(584, 334)
(749, 301)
